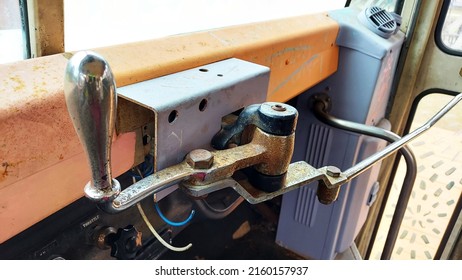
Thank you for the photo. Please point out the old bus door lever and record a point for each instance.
(91, 99)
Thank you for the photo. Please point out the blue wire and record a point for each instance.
(174, 224)
(146, 173)
(147, 168)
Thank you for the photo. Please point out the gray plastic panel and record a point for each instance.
(353, 34)
(359, 91)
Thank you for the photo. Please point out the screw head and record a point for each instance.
(278, 108)
(333, 171)
(200, 159)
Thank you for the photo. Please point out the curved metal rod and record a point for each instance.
(409, 179)
(147, 186)
(364, 165)
(216, 214)
(150, 171)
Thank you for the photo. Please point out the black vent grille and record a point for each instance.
(379, 21)
(384, 21)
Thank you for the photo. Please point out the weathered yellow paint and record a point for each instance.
(38, 144)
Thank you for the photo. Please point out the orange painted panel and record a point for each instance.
(300, 51)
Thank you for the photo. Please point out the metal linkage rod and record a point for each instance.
(364, 165)
(409, 179)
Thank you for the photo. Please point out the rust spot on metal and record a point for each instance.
(6, 169)
(268, 153)
(138, 240)
(39, 91)
(5, 165)
(198, 177)
(275, 161)
(325, 194)
(20, 85)
(38, 67)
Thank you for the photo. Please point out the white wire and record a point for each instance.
(154, 232)
(161, 240)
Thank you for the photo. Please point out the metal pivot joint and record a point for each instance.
(328, 194)
(273, 118)
(91, 99)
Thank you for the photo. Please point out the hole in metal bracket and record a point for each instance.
(172, 116)
(203, 105)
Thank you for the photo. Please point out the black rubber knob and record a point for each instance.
(126, 243)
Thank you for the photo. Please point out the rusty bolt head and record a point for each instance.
(333, 171)
(200, 159)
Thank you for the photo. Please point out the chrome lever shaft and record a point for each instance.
(91, 99)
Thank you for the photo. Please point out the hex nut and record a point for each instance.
(200, 159)
(333, 171)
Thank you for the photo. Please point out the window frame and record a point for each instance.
(25, 29)
(439, 31)
(407, 129)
